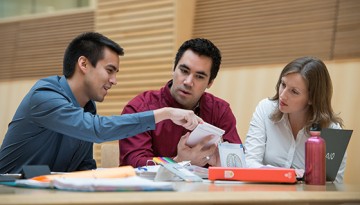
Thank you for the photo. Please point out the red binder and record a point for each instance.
(267, 175)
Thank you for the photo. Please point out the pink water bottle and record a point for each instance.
(315, 150)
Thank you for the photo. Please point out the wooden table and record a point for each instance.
(194, 193)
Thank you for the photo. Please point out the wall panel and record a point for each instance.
(262, 32)
(34, 48)
(347, 39)
(145, 29)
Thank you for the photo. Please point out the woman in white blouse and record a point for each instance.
(280, 125)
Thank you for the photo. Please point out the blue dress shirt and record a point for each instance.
(50, 128)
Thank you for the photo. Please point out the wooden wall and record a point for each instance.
(34, 48)
(258, 33)
(145, 29)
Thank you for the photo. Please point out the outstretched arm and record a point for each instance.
(185, 118)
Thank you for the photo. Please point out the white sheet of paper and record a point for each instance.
(203, 130)
(232, 155)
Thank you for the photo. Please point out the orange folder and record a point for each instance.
(267, 175)
(116, 172)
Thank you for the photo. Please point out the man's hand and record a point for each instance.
(200, 154)
(185, 118)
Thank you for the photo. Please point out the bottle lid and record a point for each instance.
(315, 127)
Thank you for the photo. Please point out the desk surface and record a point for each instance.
(194, 193)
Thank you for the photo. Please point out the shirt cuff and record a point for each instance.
(148, 119)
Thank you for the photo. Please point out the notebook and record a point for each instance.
(337, 141)
(204, 130)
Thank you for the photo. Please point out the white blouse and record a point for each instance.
(272, 143)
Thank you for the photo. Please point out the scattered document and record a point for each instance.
(159, 173)
(109, 179)
(170, 170)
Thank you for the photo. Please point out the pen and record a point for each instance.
(169, 160)
(142, 168)
(17, 176)
(158, 160)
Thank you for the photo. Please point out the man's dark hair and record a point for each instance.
(91, 45)
(203, 47)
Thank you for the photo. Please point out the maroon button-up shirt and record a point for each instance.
(162, 141)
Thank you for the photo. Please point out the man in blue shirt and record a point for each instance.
(56, 123)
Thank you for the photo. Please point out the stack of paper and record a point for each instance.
(133, 183)
(111, 179)
(200, 171)
(148, 172)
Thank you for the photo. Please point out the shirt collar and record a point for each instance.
(284, 117)
(285, 120)
(89, 107)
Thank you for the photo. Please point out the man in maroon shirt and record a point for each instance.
(196, 65)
